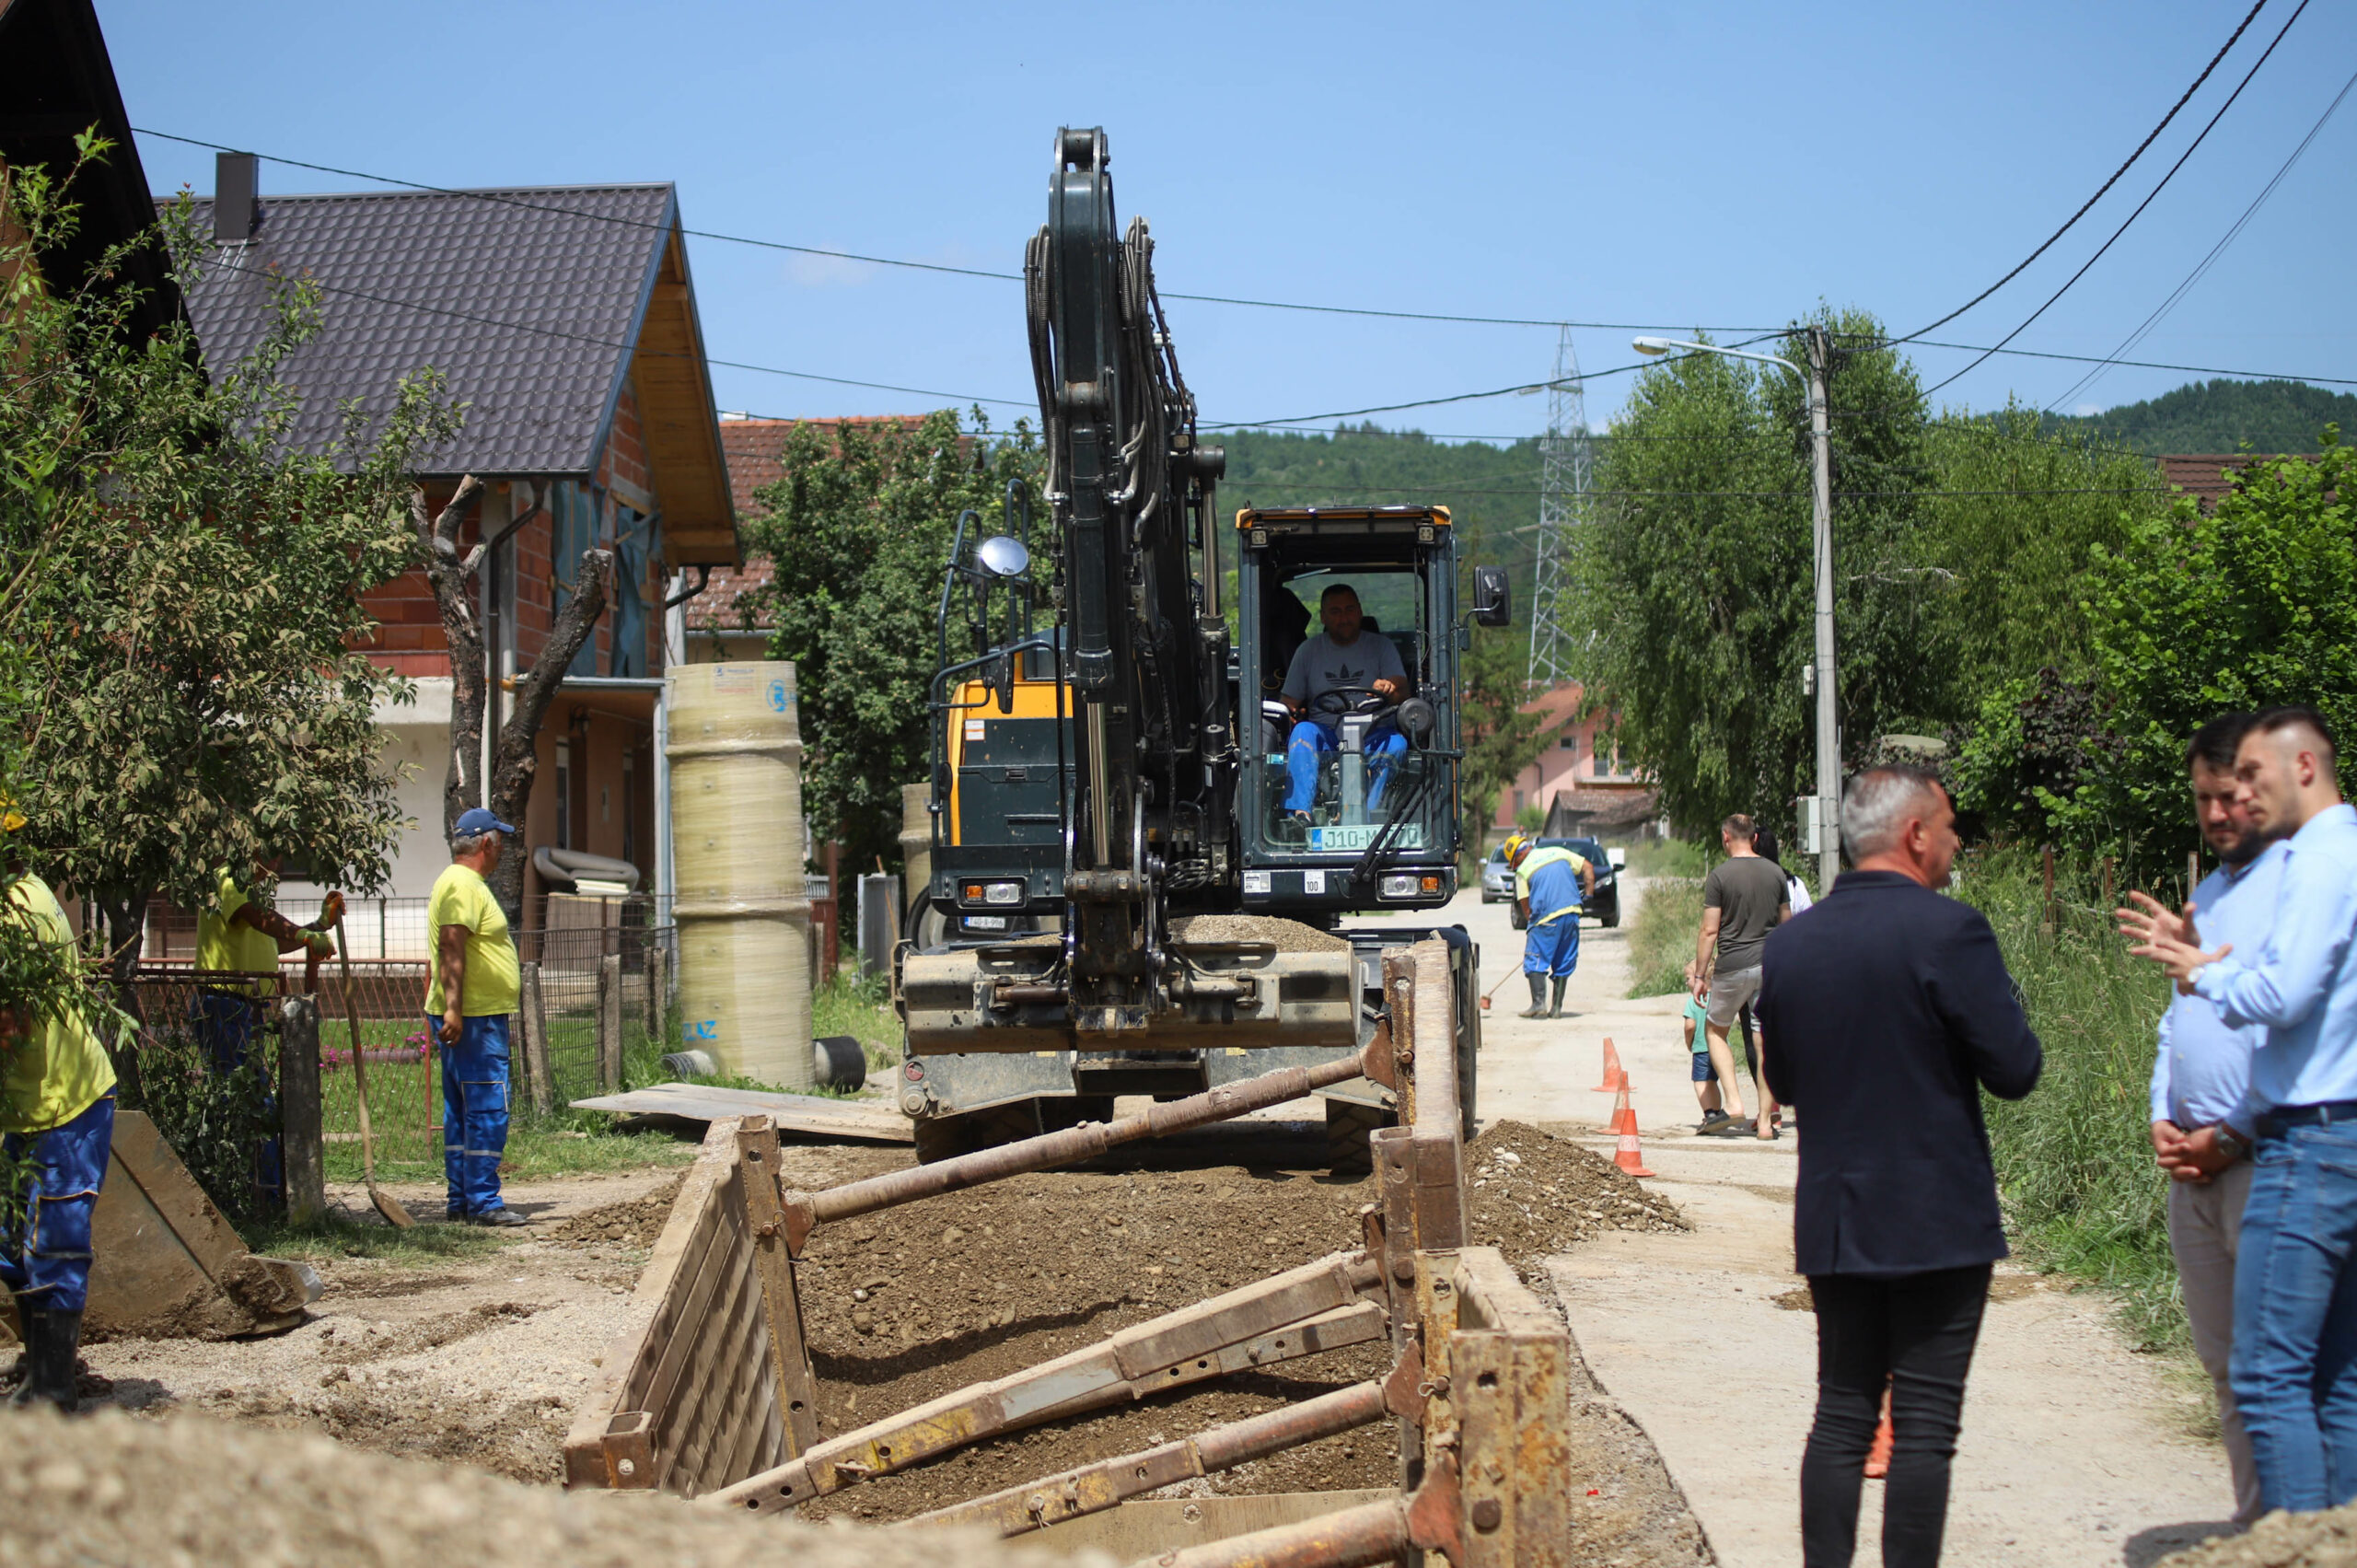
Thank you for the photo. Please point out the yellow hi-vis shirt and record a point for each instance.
(56, 1069)
(222, 944)
(1560, 899)
(490, 986)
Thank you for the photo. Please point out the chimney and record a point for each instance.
(237, 190)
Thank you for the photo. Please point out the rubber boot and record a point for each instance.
(1555, 1008)
(1538, 996)
(51, 1342)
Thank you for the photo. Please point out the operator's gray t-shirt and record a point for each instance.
(1746, 890)
(1323, 665)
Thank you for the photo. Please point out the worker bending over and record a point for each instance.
(57, 1115)
(473, 992)
(1549, 885)
(238, 940)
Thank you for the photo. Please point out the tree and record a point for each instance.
(185, 589)
(859, 528)
(452, 576)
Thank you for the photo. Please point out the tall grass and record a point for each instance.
(1661, 939)
(2074, 1160)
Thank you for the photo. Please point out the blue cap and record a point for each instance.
(479, 820)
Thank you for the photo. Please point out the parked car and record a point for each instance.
(1604, 904)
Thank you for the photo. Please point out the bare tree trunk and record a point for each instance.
(452, 577)
(512, 771)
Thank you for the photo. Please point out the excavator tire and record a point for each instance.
(1347, 1126)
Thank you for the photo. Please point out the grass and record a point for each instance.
(2074, 1162)
(1667, 857)
(338, 1239)
(861, 1008)
(1661, 939)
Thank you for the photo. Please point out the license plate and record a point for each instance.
(1360, 835)
(986, 923)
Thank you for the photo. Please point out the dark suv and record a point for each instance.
(1604, 903)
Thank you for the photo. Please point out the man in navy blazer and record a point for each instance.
(1891, 1008)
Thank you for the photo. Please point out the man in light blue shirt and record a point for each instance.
(2295, 1361)
(2203, 1070)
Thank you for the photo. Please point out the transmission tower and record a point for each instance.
(1565, 455)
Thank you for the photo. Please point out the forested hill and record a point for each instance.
(2221, 416)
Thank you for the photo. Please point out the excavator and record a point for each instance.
(1144, 854)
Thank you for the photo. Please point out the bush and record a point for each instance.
(2074, 1160)
(1661, 941)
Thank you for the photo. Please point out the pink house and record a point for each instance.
(1598, 789)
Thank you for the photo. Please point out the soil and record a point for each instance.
(2280, 1540)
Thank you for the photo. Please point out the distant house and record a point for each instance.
(2208, 477)
(1581, 782)
(565, 319)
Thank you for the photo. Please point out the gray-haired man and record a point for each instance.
(473, 993)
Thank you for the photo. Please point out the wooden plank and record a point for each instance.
(869, 1122)
(796, 1385)
(1151, 1525)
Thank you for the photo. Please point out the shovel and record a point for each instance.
(395, 1215)
(1493, 990)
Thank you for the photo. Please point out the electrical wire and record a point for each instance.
(2149, 138)
(2268, 54)
(2201, 269)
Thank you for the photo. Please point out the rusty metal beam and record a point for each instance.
(1091, 1489)
(807, 1210)
(798, 1385)
(1300, 1312)
(1353, 1538)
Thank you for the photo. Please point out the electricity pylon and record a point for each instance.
(1564, 456)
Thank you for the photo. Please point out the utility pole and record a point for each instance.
(1823, 668)
(1564, 484)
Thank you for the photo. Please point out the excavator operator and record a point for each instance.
(1332, 673)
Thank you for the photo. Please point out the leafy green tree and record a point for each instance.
(1500, 739)
(859, 529)
(185, 589)
(2189, 617)
(2220, 415)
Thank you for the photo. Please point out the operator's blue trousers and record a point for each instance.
(1312, 738)
(1553, 948)
(45, 1246)
(474, 1114)
(224, 1027)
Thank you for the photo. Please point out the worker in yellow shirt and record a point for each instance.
(467, 1004)
(238, 937)
(1550, 883)
(56, 1125)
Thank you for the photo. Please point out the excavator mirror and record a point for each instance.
(1004, 556)
(1492, 599)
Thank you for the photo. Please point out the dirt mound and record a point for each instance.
(634, 1224)
(112, 1489)
(902, 1307)
(2280, 1540)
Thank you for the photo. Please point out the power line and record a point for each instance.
(2195, 277)
(2123, 168)
(2147, 202)
(505, 200)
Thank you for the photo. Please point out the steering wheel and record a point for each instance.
(1340, 700)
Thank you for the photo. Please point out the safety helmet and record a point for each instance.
(1515, 846)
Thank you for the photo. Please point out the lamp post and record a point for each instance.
(1826, 807)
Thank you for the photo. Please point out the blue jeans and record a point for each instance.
(474, 1114)
(1553, 948)
(1315, 735)
(2294, 1362)
(45, 1251)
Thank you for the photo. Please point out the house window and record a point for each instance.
(1570, 743)
(1517, 803)
(564, 795)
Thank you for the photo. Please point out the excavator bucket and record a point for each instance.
(166, 1264)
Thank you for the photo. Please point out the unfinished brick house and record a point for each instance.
(563, 319)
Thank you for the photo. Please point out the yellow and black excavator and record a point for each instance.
(1144, 848)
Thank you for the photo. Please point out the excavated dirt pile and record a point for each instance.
(111, 1488)
(633, 1223)
(2280, 1540)
(907, 1304)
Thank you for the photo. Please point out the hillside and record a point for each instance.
(2222, 415)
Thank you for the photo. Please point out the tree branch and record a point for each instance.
(513, 768)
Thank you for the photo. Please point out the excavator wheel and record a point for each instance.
(1347, 1126)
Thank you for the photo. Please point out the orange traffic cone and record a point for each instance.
(1878, 1457)
(1627, 1155)
(1613, 1076)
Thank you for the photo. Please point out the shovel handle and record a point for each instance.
(359, 1057)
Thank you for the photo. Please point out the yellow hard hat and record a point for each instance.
(1516, 843)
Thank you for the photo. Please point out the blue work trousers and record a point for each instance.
(474, 1114)
(2294, 1362)
(45, 1246)
(1313, 736)
(1552, 948)
(224, 1025)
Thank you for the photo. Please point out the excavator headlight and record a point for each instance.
(1002, 892)
(1400, 885)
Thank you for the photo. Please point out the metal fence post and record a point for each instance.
(533, 1019)
(610, 1023)
(298, 1110)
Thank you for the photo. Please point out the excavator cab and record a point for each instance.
(1348, 798)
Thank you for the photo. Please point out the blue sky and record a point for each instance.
(1720, 166)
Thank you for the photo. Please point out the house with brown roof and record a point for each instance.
(1580, 780)
(2209, 477)
(563, 320)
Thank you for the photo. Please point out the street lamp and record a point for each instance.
(1825, 812)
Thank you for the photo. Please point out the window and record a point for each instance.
(1570, 743)
(626, 647)
(564, 795)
